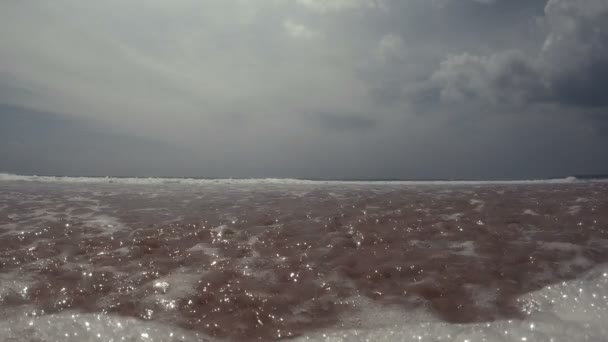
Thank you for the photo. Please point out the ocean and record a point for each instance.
(160, 259)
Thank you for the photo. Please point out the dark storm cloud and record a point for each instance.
(571, 66)
(507, 77)
(576, 51)
(306, 88)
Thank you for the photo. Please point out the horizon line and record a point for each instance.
(7, 176)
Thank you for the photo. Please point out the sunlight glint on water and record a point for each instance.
(165, 261)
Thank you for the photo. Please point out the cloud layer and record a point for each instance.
(570, 67)
(307, 88)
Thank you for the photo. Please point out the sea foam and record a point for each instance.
(277, 181)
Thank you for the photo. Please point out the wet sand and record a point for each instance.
(242, 262)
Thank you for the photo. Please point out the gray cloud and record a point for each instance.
(345, 122)
(307, 88)
(328, 6)
(32, 139)
(575, 51)
(507, 77)
(570, 67)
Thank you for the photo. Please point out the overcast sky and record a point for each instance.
(304, 88)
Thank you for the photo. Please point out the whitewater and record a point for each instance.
(172, 259)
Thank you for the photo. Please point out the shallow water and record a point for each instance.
(314, 261)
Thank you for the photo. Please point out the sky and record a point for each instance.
(330, 89)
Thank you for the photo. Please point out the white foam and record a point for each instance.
(78, 327)
(576, 310)
(479, 204)
(452, 217)
(81, 199)
(9, 226)
(276, 181)
(205, 249)
(169, 289)
(14, 283)
(466, 248)
(107, 224)
(574, 209)
(571, 311)
(562, 246)
(40, 213)
(530, 212)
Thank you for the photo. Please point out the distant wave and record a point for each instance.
(275, 181)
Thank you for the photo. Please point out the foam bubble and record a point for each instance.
(79, 327)
(205, 248)
(178, 284)
(452, 217)
(479, 204)
(574, 209)
(107, 224)
(530, 212)
(276, 181)
(570, 311)
(466, 248)
(14, 284)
